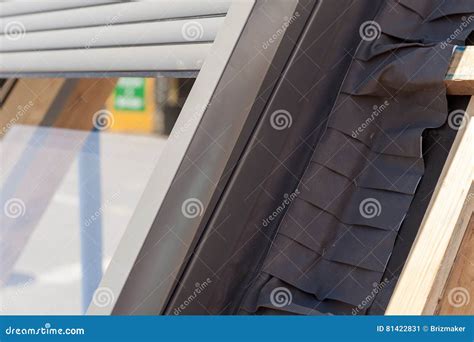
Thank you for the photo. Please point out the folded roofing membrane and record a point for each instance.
(334, 242)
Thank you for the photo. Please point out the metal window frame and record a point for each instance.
(196, 106)
(208, 135)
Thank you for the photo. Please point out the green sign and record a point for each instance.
(130, 94)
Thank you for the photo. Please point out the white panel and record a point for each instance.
(144, 58)
(114, 14)
(23, 7)
(161, 32)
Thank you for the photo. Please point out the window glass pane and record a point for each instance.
(68, 192)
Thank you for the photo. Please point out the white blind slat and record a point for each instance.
(143, 58)
(115, 14)
(161, 32)
(10, 8)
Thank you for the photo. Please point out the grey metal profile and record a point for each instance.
(141, 229)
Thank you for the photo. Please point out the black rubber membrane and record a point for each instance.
(332, 252)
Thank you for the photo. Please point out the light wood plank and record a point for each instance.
(458, 296)
(432, 255)
(460, 76)
(28, 102)
(88, 96)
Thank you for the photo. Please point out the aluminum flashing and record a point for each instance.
(237, 236)
(216, 146)
(224, 234)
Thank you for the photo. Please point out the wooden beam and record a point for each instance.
(28, 102)
(458, 296)
(424, 275)
(87, 97)
(460, 76)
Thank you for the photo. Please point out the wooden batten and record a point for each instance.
(458, 296)
(424, 275)
(460, 76)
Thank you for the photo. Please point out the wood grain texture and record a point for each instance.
(458, 296)
(460, 76)
(84, 100)
(430, 260)
(28, 102)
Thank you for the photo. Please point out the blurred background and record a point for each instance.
(75, 158)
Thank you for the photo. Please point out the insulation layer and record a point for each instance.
(334, 243)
